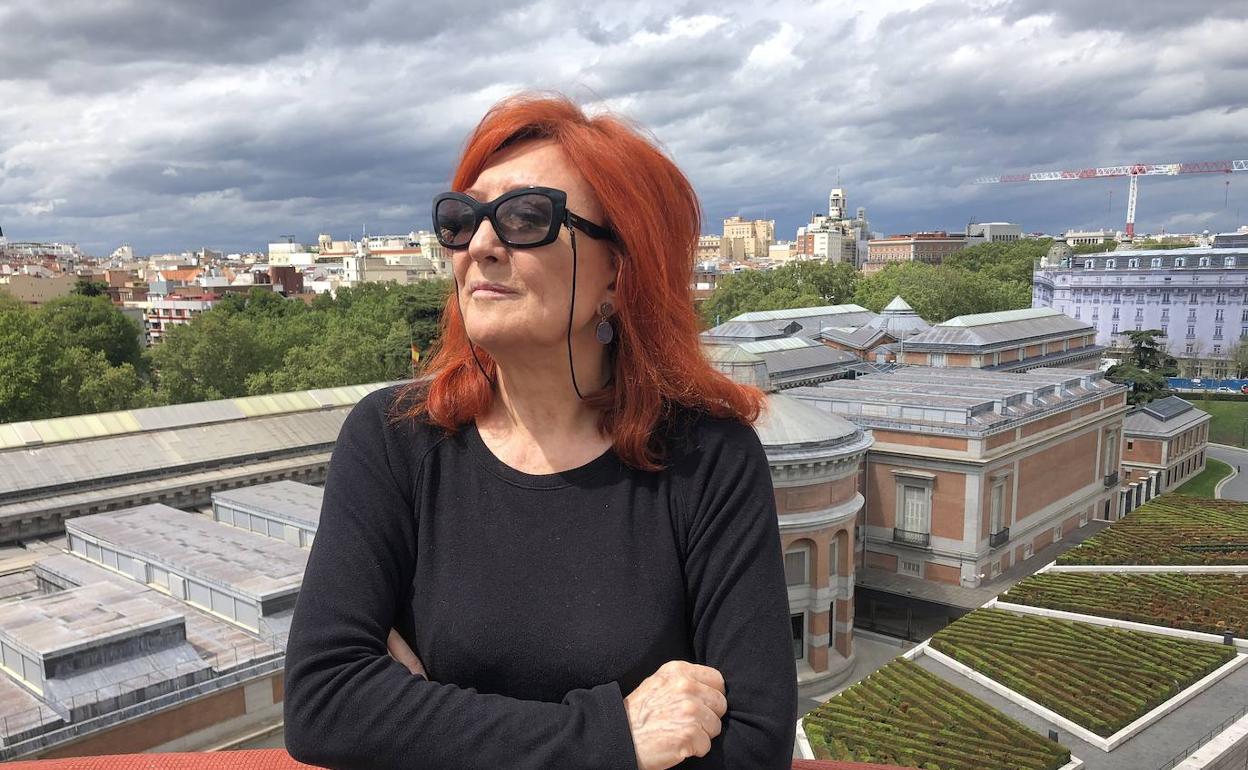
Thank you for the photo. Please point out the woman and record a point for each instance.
(567, 532)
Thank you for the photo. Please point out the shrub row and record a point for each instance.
(1100, 678)
(1172, 530)
(906, 716)
(1212, 604)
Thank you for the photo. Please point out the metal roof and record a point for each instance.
(771, 346)
(1001, 328)
(248, 563)
(1163, 417)
(787, 421)
(798, 312)
(87, 426)
(285, 500)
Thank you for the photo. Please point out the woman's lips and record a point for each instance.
(485, 289)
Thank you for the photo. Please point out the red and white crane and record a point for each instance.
(1134, 171)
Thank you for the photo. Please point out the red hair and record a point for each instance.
(657, 358)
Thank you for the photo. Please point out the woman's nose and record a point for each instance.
(485, 243)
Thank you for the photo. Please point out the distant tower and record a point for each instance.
(836, 204)
(3, 241)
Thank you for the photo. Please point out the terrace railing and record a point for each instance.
(1111, 479)
(906, 537)
(998, 539)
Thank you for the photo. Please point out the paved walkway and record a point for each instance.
(1237, 487)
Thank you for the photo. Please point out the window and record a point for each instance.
(1029, 550)
(1188, 350)
(1217, 349)
(1115, 330)
(1221, 300)
(1139, 313)
(1217, 332)
(795, 571)
(1204, 262)
(996, 509)
(1165, 329)
(199, 594)
(1110, 264)
(158, 576)
(242, 520)
(1115, 316)
(937, 359)
(1165, 314)
(914, 508)
(1130, 445)
(1191, 332)
(1180, 262)
(222, 603)
(1077, 312)
(907, 567)
(1117, 298)
(1165, 298)
(1088, 265)
(1156, 262)
(1217, 315)
(93, 551)
(1057, 533)
(1133, 262)
(1228, 262)
(798, 622)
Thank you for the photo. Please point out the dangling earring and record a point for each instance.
(604, 331)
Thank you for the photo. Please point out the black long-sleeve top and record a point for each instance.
(536, 602)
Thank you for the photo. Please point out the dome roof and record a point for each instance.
(1058, 251)
(789, 422)
(899, 319)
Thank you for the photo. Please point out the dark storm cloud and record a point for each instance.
(179, 124)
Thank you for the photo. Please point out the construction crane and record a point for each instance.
(1134, 171)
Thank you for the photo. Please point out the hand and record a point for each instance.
(400, 651)
(675, 713)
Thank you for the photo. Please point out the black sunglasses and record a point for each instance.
(523, 218)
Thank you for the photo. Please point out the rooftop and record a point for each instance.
(285, 499)
(250, 564)
(1163, 417)
(81, 617)
(986, 330)
(967, 401)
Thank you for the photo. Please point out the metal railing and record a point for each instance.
(139, 694)
(998, 539)
(1111, 479)
(906, 537)
(1185, 753)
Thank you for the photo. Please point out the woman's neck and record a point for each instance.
(535, 397)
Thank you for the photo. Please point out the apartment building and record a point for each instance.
(1166, 438)
(930, 248)
(1197, 298)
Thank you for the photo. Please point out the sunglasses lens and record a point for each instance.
(454, 222)
(525, 220)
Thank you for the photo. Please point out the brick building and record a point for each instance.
(1009, 340)
(1167, 437)
(930, 248)
(972, 472)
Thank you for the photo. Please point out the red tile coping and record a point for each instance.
(267, 759)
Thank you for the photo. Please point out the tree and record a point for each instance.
(93, 323)
(1238, 355)
(27, 357)
(808, 283)
(940, 292)
(1146, 367)
(89, 288)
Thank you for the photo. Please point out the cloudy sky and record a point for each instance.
(175, 124)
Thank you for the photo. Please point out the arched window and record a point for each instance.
(1089, 265)
(1133, 262)
(1110, 264)
(1156, 261)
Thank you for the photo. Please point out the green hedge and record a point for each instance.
(906, 716)
(1098, 677)
(1171, 530)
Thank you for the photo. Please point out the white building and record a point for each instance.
(993, 232)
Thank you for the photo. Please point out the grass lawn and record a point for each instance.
(1229, 423)
(1204, 482)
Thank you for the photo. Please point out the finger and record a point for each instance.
(400, 651)
(706, 675)
(715, 700)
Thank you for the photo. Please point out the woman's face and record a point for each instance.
(532, 311)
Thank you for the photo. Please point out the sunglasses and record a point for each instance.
(523, 218)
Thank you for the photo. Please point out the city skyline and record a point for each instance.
(175, 126)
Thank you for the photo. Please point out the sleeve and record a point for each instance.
(348, 704)
(738, 602)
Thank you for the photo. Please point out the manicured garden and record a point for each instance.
(1204, 483)
(903, 715)
(1100, 678)
(1210, 603)
(1172, 530)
